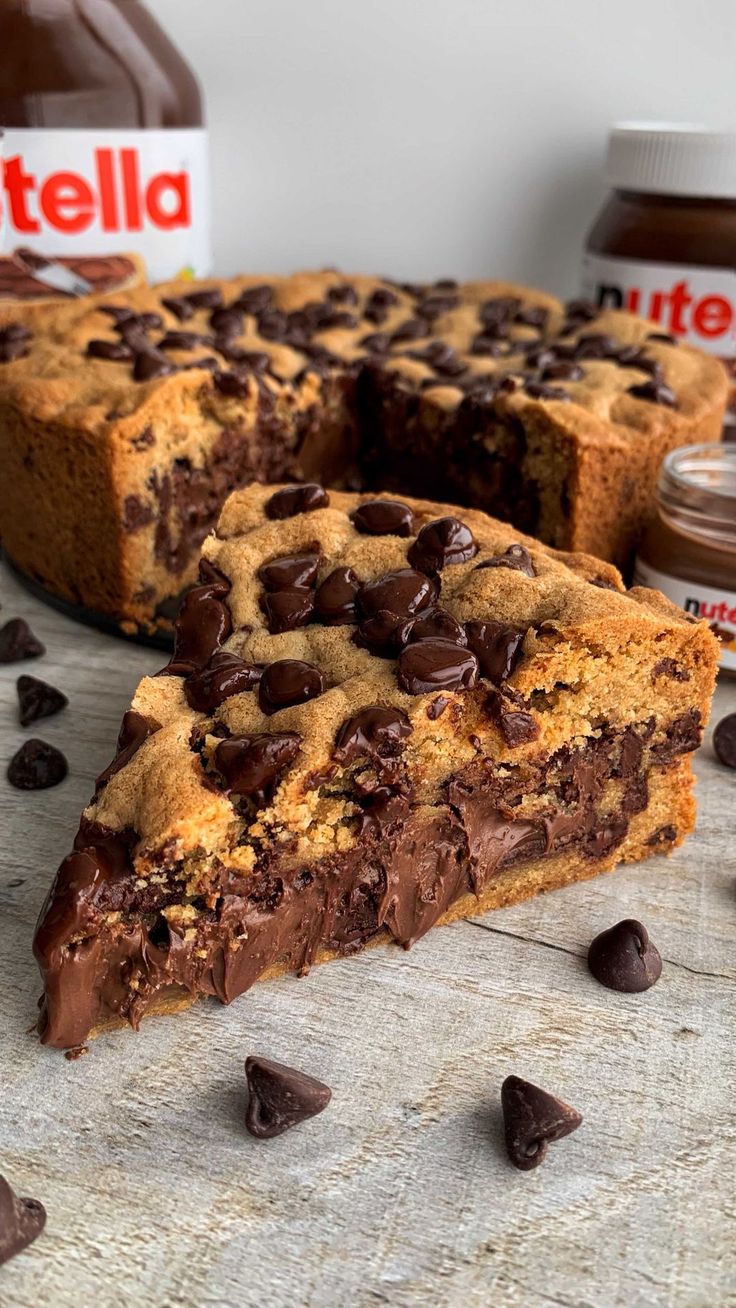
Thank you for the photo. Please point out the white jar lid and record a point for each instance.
(673, 159)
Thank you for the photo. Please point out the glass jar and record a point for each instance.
(689, 549)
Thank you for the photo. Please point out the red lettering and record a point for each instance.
(679, 300)
(712, 315)
(67, 202)
(106, 183)
(175, 186)
(16, 184)
(131, 189)
(657, 301)
(633, 299)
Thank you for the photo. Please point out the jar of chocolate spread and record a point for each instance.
(103, 151)
(664, 243)
(689, 550)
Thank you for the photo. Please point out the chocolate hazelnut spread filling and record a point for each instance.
(108, 949)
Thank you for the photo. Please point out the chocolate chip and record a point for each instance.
(225, 675)
(344, 294)
(287, 609)
(251, 765)
(134, 730)
(212, 576)
(541, 391)
(255, 299)
(532, 1120)
(384, 634)
(36, 766)
(21, 1222)
(499, 310)
(290, 572)
(256, 361)
(273, 324)
(516, 725)
(532, 315)
(180, 308)
(632, 356)
(334, 600)
(13, 342)
(37, 699)
(665, 337)
(441, 543)
(150, 364)
(226, 323)
(292, 500)
(496, 647)
(207, 299)
(562, 371)
(490, 346)
(287, 682)
(376, 343)
(436, 665)
(405, 593)
(280, 1097)
(596, 345)
(375, 730)
(184, 341)
(437, 624)
(383, 518)
(516, 557)
(115, 351)
(382, 298)
(204, 623)
(656, 392)
(331, 320)
(236, 385)
(135, 513)
(724, 741)
(410, 330)
(437, 707)
(624, 958)
(18, 642)
(583, 310)
(119, 313)
(139, 322)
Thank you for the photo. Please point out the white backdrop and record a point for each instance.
(435, 137)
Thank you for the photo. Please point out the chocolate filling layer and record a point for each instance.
(410, 863)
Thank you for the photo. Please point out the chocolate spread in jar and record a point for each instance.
(689, 550)
(103, 155)
(664, 244)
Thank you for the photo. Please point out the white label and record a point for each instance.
(697, 305)
(84, 192)
(718, 607)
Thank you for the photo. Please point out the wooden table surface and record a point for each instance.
(399, 1193)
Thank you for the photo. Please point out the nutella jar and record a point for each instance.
(103, 153)
(664, 244)
(689, 550)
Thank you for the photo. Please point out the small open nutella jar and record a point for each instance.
(689, 550)
(664, 243)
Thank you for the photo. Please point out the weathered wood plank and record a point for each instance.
(399, 1193)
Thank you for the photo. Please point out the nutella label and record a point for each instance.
(718, 607)
(72, 202)
(697, 305)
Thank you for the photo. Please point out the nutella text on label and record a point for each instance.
(88, 192)
(716, 606)
(697, 305)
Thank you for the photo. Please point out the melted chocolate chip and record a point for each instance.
(724, 741)
(437, 707)
(516, 725)
(204, 623)
(21, 1222)
(375, 730)
(225, 675)
(533, 1119)
(210, 575)
(37, 699)
(13, 342)
(344, 294)
(486, 345)
(115, 351)
(290, 572)
(134, 730)
(255, 299)
(280, 1097)
(150, 364)
(541, 391)
(436, 665)
(596, 345)
(496, 647)
(563, 371)
(292, 500)
(17, 642)
(383, 518)
(287, 609)
(437, 624)
(410, 330)
(404, 593)
(236, 385)
(441, 543)
(334, 600)
(624, 958)
(583, 310)
(184, 341)
(532, 315)
(656, 392)
(499, 310)
(226, 322)
(36, 766)
(376, 343)
(207, 299)
(252, 765)
(287, 682)
(180, 308)
(273, 324)
(632, 356)
(516, 557)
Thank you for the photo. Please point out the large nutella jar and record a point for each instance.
(689, 550)
(664, 244)
(103, 150)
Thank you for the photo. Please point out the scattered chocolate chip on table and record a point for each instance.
(36, 766)
(21, 1222)
(37, 699)
(533, 1119)
(624, 958)
(724, 740)
(280, 1097)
